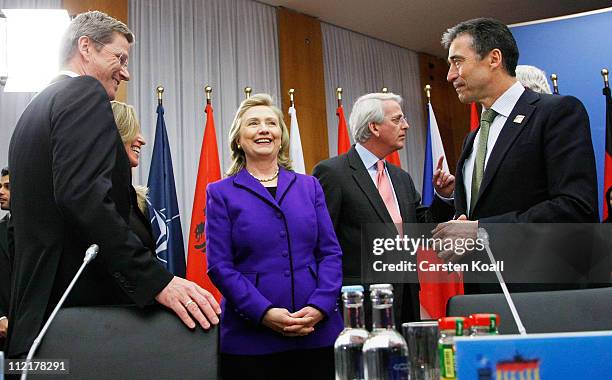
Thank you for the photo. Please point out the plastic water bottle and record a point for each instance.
(385, 352)
(348, 353)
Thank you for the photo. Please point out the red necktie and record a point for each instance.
(386, 192)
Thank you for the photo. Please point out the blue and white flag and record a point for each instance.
(163, 206)
(433, 150)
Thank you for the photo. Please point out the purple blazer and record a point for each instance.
(265, 252)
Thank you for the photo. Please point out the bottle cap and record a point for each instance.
(452, 323)
(352, 288)
(381, 287)
(484, 320)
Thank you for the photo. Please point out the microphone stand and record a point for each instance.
(90, 254)
(482, 233)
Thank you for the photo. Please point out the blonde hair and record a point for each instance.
(126, 120)
(237, 154)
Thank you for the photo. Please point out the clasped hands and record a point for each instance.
(300, 323)
(449, 234)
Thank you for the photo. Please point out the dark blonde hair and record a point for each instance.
(237, 155)
(126, 120)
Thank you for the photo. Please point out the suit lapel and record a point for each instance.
(508, 135)
(286, 179)
(365, 183)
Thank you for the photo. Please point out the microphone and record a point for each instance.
(482, 233)
(90, 254)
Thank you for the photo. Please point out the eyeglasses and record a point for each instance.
(122, 57)
(399, 120)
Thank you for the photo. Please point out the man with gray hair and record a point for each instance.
(533, 78)
(70, 178)
(362, 188)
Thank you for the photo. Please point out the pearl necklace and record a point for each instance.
(265, 179)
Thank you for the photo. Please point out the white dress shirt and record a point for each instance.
(69, 73)
(503, 106)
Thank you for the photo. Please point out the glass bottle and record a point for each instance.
(385, 352)
(348, 353)
(450, 327)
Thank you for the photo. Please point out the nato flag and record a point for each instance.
(163, 206)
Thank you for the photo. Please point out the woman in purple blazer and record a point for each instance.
(273, 254)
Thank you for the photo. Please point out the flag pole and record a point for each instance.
(291, 92)
(428, 93)
(384, 90)
(554, 78)
(208, 91)
(604, 74)
(339, 96)
(160, 91)
(247, 92)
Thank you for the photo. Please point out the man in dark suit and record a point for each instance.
(531, 160)
(70, 179)
(353, 184)
(5, 263)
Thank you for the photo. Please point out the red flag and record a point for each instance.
(208, 171)
(474, 118)
(608, 160)
(437, 287)
(344, 143)
(394, 159)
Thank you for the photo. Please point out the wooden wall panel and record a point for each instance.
(301, 67)
(453, 116)
(115, 8)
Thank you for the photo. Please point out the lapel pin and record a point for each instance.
(519, 119)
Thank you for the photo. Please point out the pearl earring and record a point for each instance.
(239, 147)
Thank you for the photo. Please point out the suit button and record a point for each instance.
(287, 274)
(285, 253)
(283, 234)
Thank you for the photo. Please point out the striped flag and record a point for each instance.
(436, 287)
(295, 144)
(162, 203)
(433, 150)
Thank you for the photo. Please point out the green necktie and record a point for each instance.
(481, 153)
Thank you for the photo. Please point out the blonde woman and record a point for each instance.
(133, 141)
